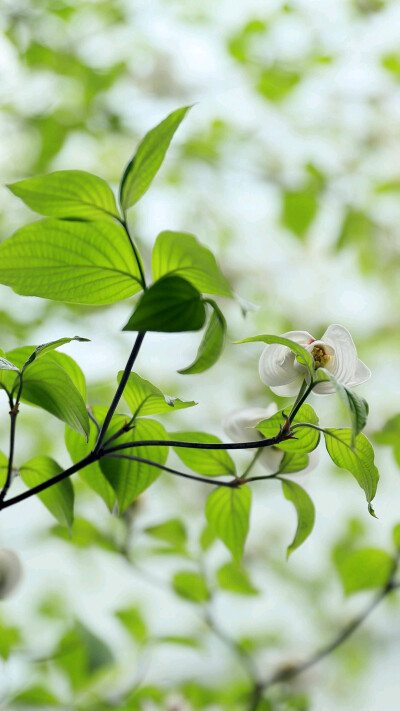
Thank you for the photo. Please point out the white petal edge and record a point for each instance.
(289, 390)
(236, 424)
(361, 375)
(344, 362)
(277, 363)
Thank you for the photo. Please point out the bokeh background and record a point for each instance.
(288, 168)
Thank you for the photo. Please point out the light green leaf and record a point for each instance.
(231, 577)
(211, 344)
(36, 696)
(171, 304)
(356, 405)
(390, 435)
(304, 357)
(181, 254)
(3, 469)
(209, 462)
(128, 478)
(358, 459)
(144, 398)
(364, 569)
(191, 586)
(48, 347)
(293, 462)
(228, 513)
(305, 512)
(92, 474)
(5, 364)
(73, 194)
(307, 438)
(133, 621)
(10, 637)
(298, 210)
(59, 498)
(49, 386)
(172, 532)
(71, 366)
(76, 262)
(395, 533)
(148, 158)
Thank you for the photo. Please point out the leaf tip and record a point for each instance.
(371, 511)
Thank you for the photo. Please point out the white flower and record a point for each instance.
(236, 425)
(10, 572)
(336, 352)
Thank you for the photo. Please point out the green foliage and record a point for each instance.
(48, 347)
(85, 534)
(396, 536)
(10, 637)
(132, 620)
(3, 468)
(71, 194)
(235, 579)
(171, 304)
(276, 82)
(59, 498)
(306, 438)
(390, 435)
(293, 462)
(303, 356)
(358, 459)
(191, 586)
(75, 262)
(144, 398)
(181, 254)
(148, 158)
(363, 569)
(36, 696)
(305, 512)
(211, 345)
(299, 210)
(130, 478)
(172, 532)
(228, 514)
(82, 656)
(356, 405)
(210, 462)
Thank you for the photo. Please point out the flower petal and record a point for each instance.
(237, 423)
(361, 374)
(290, 389)
(270, 458)
(277, 363)
(343, 364)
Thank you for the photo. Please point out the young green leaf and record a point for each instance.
(71, 194)
(133, 621)
(58, 499)
(364, 569)
(211, 344)
(130, 478)
(235, 579)
(148, 159)
(358, 459)
(304, 357)
(306, 439)
(171, 304)
(191, 586)
(228, 513)
(305, 512)
(172, 532)
(6, 364)
(211, 462)
(77, 262)
(293, 462)
(356, 405)
(144, 398)
(72, 368)
(48, 347)
(181, 254)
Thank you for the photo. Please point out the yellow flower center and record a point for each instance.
(320, 356)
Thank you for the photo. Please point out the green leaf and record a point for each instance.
(276, 82)
(191, 586)
(228, 513)
(73, 194)
(172, 532)
(10, 637)
(144, 398)
(76, 262)
(91, 474)
(36, 696)
(364, 569)
(211, 345)
(395, 534)
(133, 622)
(71, 366)
(171, 304)
(356, 405)
(3, 469)
(358, 459)
(210, 462)
(128, 478)
(307, 438)
(181, 254)
(48, 347)
(59, 498)
(231, 577)
(305, 512)
(304, 357)
(298, 210)
(148, 158)
(85, 535)
(48, 385)
(293, 462)
(5, 364)
(390, 435)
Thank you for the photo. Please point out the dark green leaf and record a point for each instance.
(305, 512)
(211, 344)
(144, 398)
(228, 513)
(181, 254)
(364, 569)
(191, 586)
(76, 262)
(210, 462)
(171, 304)
(68, 194)
(59, 498)
(303, 356)
(231, 577)
(148, 158)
